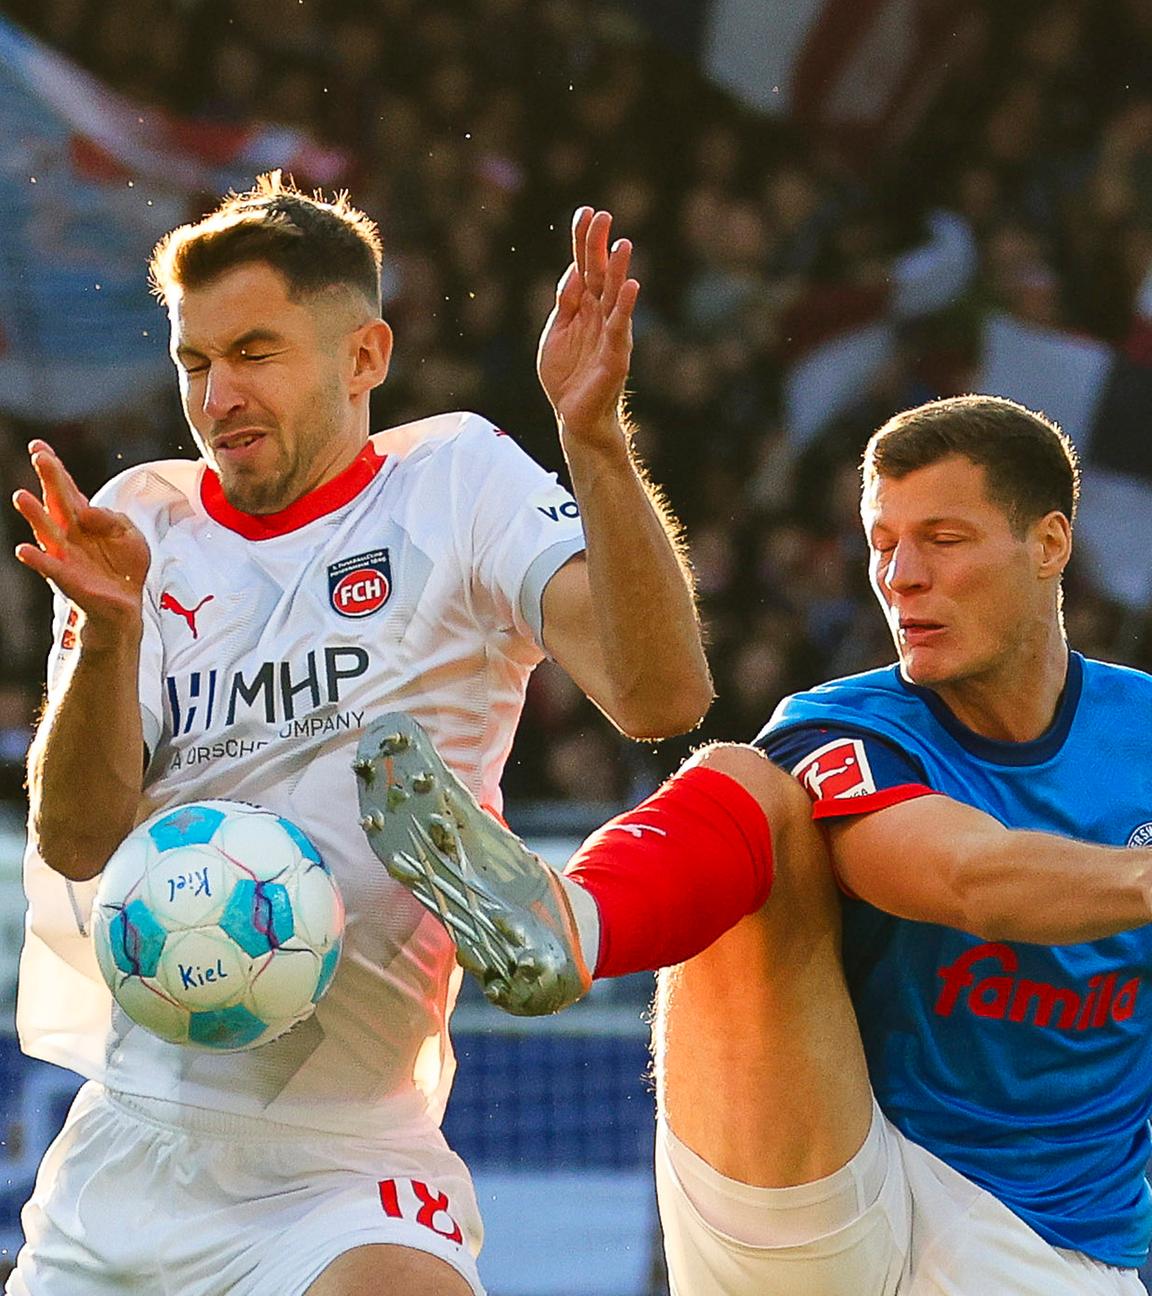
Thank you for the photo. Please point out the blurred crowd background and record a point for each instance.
(470, 129)
(966, 204)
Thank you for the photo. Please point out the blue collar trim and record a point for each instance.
(996, 751)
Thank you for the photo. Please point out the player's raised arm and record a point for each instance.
(933, 859)
(85, 766)
(622, 620)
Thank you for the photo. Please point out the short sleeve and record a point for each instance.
(64, 622)
(116, 494)
(846, 771)
(524, 524)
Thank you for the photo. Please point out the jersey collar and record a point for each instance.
(334, 494)
(997, 752)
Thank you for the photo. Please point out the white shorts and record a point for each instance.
(138, 1197)
(896, 1221)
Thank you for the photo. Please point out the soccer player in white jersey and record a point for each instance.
(225, 628)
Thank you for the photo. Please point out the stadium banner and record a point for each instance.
(867, 68)
(88, 182)
(1099, 395)
(1102, 397)
(1046, 369)
(843, 337)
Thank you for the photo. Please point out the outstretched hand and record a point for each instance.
(95, 557)
(586, 345)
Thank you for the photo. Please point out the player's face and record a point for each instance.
(273, 389)
(964, 595)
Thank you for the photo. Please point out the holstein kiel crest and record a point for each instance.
(359, 586)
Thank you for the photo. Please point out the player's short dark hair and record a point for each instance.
(315, 244)
(1030, 465)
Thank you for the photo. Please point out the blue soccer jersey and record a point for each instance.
(1025, 1067)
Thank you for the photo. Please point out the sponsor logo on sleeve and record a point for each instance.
(359, 586)
(837, 770)
(555, 503)
(68, 636)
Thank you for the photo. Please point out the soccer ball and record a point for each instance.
(217, 925)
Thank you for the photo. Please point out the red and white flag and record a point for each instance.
(88, 182)
(865, 67)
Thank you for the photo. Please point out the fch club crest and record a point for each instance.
(359, 586)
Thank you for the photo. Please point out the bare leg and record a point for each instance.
(759, 1062)
(380, 1268)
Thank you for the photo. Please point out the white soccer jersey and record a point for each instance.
(411, 582)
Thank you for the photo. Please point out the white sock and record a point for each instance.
(587, 915)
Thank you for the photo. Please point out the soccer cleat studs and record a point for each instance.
(503, 907)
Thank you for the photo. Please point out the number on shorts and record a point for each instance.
(428, 1205)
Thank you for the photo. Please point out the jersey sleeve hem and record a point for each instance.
(152, 728)
(544, 566)
(842, 807)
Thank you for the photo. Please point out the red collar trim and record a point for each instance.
(334, 494)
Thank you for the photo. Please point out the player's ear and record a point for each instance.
(372, 353)
(1053, 536)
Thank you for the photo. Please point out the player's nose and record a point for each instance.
(222, 393)
(906, 569)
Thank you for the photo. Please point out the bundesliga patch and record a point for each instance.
(359, 586)
(838, 769)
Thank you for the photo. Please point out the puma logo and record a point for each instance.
(169, 604)
(638, 830)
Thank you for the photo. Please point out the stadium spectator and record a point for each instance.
(475, 136)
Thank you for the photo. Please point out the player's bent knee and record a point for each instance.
(782, 799)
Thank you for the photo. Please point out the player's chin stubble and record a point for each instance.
(268, 492)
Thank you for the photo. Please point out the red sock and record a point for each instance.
(677, 872)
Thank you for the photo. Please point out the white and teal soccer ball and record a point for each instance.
(217, 925)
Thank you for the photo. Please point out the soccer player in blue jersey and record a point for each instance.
(921, 1064)
(978, 802)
